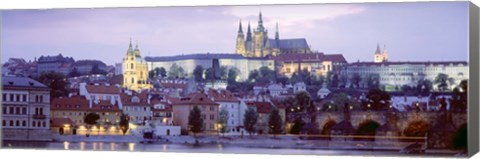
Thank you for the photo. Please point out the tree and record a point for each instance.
(232, 75)
(424, 87)
(356, 80)
(459, 99)
(96, 70)
(153, 74)
(56, 82)
(341, 98)
(74, 73)
(441, 80)
(124, 123)
(298, 124)
(223, 120)
(198, 73)
(250, 120)
(302, 101)
(91, 119)
(176, 72)
(223, 72)
(195, 121)
(460, 140)
(377, 99)
(209, 74)
(373, 81)
(275, 122)
(162, 72)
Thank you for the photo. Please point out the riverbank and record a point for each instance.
(283, 142)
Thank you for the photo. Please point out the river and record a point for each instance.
(204, 148)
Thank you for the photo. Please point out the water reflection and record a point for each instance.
(94, 145)
(112, 146)
(82, 145)
(131, 146)
(66, 145)
(100, 145)
(164, 147)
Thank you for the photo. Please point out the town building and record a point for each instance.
(85, 67)
(260, 45)
(391, 76)
(135, 70)
(105, 92)
(319, 64)
(72, 110)
(57, 63)
(233, 105)
(229, 60)
(209, 112)
(137, 106)
(25, 109)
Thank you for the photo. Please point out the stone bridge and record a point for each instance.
(404, 119)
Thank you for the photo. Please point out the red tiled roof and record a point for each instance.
(60, 122)
(105, 106)
(311, 57)
(127, 99)
(195, 98)
(103, 89)
(262, 107)
(222, 96)
(71, 103)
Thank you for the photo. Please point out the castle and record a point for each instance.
(259, 45)
(135, 70)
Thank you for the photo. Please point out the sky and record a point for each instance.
(427, 31)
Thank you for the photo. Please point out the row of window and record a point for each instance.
(81, 114)
(211, 116)
(14, 110)
(136, 109)
(23, 123)
(8, 97)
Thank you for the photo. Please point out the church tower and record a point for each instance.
(135, 70)
(379, 55)
(259, 37)
(240, 46)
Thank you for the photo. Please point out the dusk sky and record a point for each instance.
(411, 31)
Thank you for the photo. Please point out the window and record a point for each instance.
(24, 97)
(17, 123)
(11, 97)
(11, 122)
(204, 116)
(33, 123)
(131, 65)
(44, 124)
(24, 123)
(10, 111)
(212, 117)
(4, 110)
(212, 108)
(17, 110)
(4, 123)
(17, 98)
(4, 97)
(133, 81)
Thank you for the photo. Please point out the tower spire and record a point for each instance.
(277, 36)
(378, 49)
(130, 49)
(240, 27)
(249, 33)
(260, 22)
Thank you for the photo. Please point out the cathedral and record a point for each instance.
(259, 45)
(381, 56)
(135, 70)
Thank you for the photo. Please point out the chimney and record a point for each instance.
(90, 103)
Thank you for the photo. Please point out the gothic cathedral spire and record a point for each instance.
(240, 30)
(249, 33)
(260, 27)
(277, 36)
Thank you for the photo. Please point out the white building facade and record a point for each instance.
(189, 62)
(26, 110)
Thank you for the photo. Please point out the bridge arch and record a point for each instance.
(367, 128)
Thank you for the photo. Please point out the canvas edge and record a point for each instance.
(473, 84)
